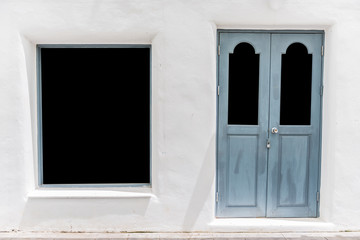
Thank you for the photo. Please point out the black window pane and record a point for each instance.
(296, 70)
(95, 115)
(243, 86)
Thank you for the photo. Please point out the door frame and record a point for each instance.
(219, 31)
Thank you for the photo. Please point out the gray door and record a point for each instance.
(269, 124)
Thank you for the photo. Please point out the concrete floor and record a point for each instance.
(182, 236)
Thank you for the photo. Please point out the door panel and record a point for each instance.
(242, 171)
(293, 167)
(241, 143)
(294, 153)
(266, 79)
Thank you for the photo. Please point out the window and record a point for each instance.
(94, 114)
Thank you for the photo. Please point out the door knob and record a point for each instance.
(274, 130)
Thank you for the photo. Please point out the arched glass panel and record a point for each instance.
(296, 70)
(243, 85)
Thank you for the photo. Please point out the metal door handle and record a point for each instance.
(274, 130)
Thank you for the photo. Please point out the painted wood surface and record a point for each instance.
(280, 181)
(241, 148)
(294, 156)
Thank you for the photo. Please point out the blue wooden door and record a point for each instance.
(295, 112)
(269, 124)
(242, 153)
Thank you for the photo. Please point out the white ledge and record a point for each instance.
(272, 225)
(87, 194)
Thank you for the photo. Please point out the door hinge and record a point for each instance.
(219, 50)
(321, 90)
(217, 196)
(317, 196)
(218, 90)
(322, 50)
(268, 143)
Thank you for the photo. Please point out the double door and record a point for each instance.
(269, 124)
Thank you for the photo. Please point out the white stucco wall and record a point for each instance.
(183, 38)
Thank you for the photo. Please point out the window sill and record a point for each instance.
(81, 194)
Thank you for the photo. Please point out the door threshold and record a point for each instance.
(273, 225)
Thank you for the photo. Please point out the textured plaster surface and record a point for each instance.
(183, 38)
